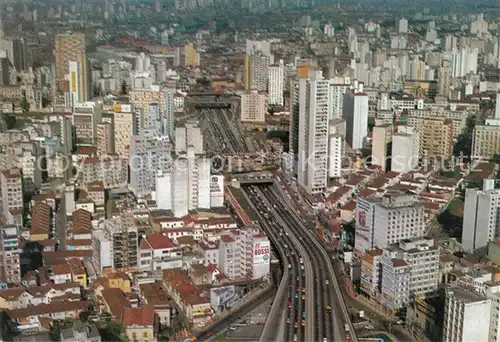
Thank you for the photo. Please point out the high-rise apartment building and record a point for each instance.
(481, 219)
(69, 47)
(405, 150)
(402, 25)
(336, 148)
(395, 286)
(149, 153)
(276, 84)
(435, 137)
(337, 92)
(382, 146)
(105, 139)
(421, 256)
(466, 316)
(444, 79)
(256, 71)
(485, 141)
(10, 264)
(355, 113)
(86, 117)
(253, 107)
(387, 220)
(11, 182)
(313, 117)
(79, 85)
(186, 186)
(124, 122)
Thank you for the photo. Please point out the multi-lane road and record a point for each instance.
(324, 313)
(309, 296)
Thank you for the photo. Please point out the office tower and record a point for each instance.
(444, 79)
(161, 71)
(355, 113)
(105, 139)
(4, 71)
(11, 182)
(186, 186)
(405, 150)
(402, 25)
(18, 55)
(149, 154)
(253, 107)
(10, 264)
(86, 117)
(481, 219)
(69, 47)
(387, 220)
(313, 116)
(275, 84)
(123, 128)
(337, 92)
(466, 316)
(78, 82)
(382, 146)
(336, 148)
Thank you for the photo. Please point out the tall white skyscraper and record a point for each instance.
(149, 154)
(313, 116)
(405, 150)
(275, 84)
(464, 61)
(466, 316)
(337, 90)
(481, 219)
(253, 107)
(402, 25)
(187, 185)
(355, 112)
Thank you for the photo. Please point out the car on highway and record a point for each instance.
(295, 338)
(295, 325)
(327, 282)
(303, 322)
(289, 305)
(296, 296)
(302, 267)
(288, 320)
(289, 266)
(303, 297)
(301, 260)
(303, 290)
(328, 308)
(303, 315)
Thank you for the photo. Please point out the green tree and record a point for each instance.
(111, 331)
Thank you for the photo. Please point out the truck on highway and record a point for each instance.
(347, 332)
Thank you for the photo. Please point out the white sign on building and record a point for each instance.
(216, 191)
(261, 257)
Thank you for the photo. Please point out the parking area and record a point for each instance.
(250, 327)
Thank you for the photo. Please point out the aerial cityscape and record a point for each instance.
(252, 170)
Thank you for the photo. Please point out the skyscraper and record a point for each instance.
(69, 47)
(313, 116)
(355, 112)
(481, 219)
(186, 186)
(275, 84)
